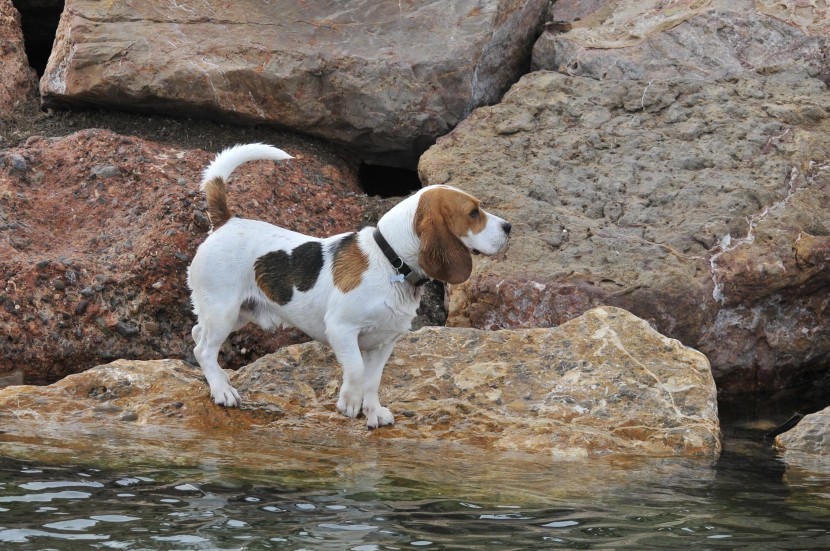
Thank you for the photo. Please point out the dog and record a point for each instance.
(356, 292)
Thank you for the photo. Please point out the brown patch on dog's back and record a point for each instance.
(217, 200)
(349, 264)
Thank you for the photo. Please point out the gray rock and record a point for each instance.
(17, 163)
(655, 40)
(127, 329)
(685, 206)
(105, 171)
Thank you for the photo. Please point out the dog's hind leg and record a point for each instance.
(209, 334)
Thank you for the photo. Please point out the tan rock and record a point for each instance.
(385, 78)
(605, 383)
(807, 445)
(18, 81)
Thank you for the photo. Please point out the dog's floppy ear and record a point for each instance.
(442, 255)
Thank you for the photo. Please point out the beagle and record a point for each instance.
(356, 292)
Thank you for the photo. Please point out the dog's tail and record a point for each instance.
(219, 171)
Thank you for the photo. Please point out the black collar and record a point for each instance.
(400, 266)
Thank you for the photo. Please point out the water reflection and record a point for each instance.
(394, 496)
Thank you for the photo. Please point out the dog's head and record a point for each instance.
(451, 225)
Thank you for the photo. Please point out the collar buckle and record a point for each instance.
(405, 273)
(414, 279)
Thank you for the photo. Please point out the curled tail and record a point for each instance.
(219, 171)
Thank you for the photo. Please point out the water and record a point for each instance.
(428, 497)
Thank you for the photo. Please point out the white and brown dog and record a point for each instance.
(356, 292)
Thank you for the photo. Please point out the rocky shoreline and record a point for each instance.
(605, 383)
(667, 160)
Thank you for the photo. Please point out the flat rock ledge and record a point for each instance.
(807, 445)
(604, 383)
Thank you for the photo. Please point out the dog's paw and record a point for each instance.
(226, 396)
(378, 417)
(349, 403)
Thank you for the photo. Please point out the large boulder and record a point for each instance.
(18, 81)
(697, 205)
(385, 78)
(97, 230)
(605, 383)
(651, 39)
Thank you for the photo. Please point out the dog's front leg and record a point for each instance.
(208, 340)
(347, 351)
(374, 361)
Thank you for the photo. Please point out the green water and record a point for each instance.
(430, 497)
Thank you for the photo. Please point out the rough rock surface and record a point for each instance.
(807, 445)
(96, 233)
(373, 75)
(605, 383)
(651, 39)
(699, 206)
(18, 81)
(566, 11)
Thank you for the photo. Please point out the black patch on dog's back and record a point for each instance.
(307, 261)
(278, 273)
(274, 276)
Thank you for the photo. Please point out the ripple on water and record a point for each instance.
(45, 497)
(24, 535)
(349, 527)
(60, 484)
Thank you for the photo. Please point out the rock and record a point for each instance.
(18, 81)
(90, 261)
(105, 171)
(384, 78)
(689, 39)
(126, 329)
(698, 206)
(16, 163)
(571, 10)
(807, 445)
(771, 285)
(11, 378)
(82, 306)
(605, 383)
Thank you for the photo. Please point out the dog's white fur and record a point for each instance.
(360, 324)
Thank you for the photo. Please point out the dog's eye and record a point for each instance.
(475, 213)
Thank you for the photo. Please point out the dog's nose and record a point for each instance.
(507, 226)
